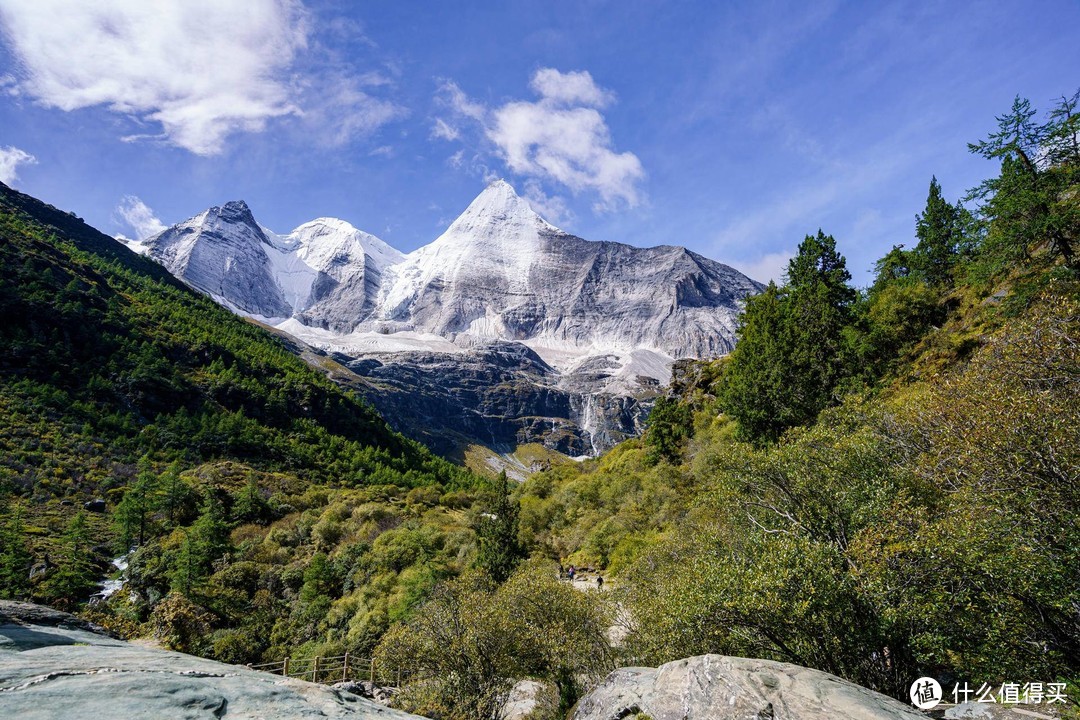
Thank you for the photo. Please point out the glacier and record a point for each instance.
(601, 321)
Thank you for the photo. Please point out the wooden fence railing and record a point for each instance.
(337, 668)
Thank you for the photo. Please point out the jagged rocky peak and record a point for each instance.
(608, 318)
(223, 252)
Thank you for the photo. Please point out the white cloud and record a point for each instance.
(140, 217)
(562, 137)
(443, 130)
(572, 88)
(771, 266)
(201, 69)
(551, 207)
(460, 103)
(338, 109)
(10, 159)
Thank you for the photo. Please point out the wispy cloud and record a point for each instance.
(443, 130)
(550, 207)
(198, 69)
(561, 137)
(140, 217)
(10, 159)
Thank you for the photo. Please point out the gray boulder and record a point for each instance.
(717, 687)
(55, 666)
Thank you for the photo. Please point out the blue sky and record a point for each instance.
(733, 128)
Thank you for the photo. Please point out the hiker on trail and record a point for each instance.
(570, 573)
(562, 571)
(599, 582)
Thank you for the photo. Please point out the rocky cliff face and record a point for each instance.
(597, 324)
(54, 666)
(500, 395)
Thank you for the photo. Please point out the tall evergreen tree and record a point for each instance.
(14, 557)
(204, 542)
(74, 575)
(792, 349)
(1032, 202)
(500, 549)
(178, 501)
(939, 232)
(756, 376)
(134, 513)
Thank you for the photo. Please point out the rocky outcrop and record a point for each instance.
(55, 666)
(717, 687)
(500, 395)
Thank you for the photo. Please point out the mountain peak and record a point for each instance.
(235, 211)
(497, 204)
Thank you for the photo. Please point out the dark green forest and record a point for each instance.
(879, 482)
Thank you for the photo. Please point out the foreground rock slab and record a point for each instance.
(717, 687)
(53, 665)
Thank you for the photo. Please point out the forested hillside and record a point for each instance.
(255, 493)
(880, 483)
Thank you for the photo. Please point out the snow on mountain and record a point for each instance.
(604, 318)
(499, 272)
(325, 267)
(224, 253)
(461, 281)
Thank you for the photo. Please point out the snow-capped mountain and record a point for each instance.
(602, 317)
(501, 272)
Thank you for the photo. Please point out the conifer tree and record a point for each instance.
(14, 557)
(793, 350)
(1033, 200)
(939, 232)
(134, 513)
(178, 500)
(500, 549)
(74, 574)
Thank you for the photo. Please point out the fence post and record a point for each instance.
(372, 671)
(285, 667)
(345, 668)
(398, 677)
(315, 670)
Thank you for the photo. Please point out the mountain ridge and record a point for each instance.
(607, 317)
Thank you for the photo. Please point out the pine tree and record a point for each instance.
(939, 232)
(74, 574)
(134, 513)
(204, 542)
(500, 549)
(792, 351)
(177, 499)
(14, 557)
(250, 507)
(1032, 201)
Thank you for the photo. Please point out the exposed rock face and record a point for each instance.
(55, 666)
(717, 687)
(223, 252)
(605, 319)
(500, 395)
